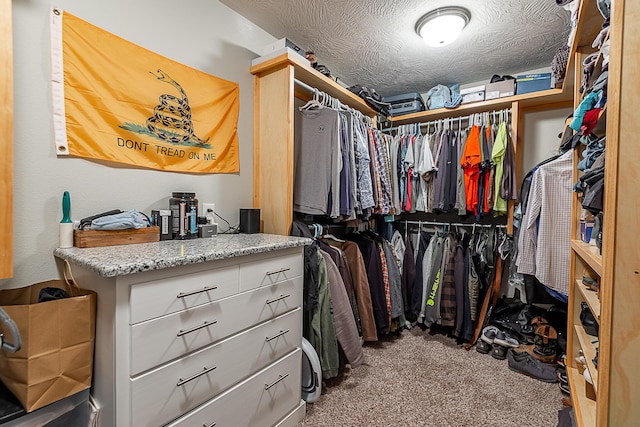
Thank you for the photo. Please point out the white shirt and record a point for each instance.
(544, 246)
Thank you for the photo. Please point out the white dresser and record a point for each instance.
(204, 332)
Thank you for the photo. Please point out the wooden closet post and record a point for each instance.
(620, 294)
(273, 148)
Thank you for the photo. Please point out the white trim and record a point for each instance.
(57, 84)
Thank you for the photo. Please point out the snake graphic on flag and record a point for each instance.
(171, 120)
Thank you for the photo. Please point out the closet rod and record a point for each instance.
(305, 86)
(452, 119)
(455, 224)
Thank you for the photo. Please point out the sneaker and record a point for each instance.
(489, 334)
(483, 347)
(526, 364)
(505, 340)
(562, 376)
(499, 352)
(564, 387)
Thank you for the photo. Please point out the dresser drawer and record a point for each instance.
(270, 270)
(166, 338)
(261, 400)
(165, 296)
(163, 394)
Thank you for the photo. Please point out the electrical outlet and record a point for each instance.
(208, 210)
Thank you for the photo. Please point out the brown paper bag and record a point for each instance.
(56, 358)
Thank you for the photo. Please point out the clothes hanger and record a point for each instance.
(332, 237)
(313, 103)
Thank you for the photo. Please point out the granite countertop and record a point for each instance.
(110, 261)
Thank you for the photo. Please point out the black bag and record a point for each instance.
(372, 98)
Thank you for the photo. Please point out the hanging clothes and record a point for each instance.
(497, 156)
(345, 326)
(376, 285)
(363, 171)
(361, 289)
(322, 333)
(318, 162)
(471, 161)
(545, 235)
(408, 277)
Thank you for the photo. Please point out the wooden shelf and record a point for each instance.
(589, 351)
(590, 254)
(304, 72)
(584, 408)
(591, 297)
(543, 97)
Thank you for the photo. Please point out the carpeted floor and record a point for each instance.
(419, 379)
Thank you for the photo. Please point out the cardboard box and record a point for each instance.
(472, 94)
(500, 89)
(533, 83)
(279, 45)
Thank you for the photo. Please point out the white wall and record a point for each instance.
(541, 141)
(203, 34)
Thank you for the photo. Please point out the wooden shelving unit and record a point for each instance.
(584, 407)
(591, 297)
(274, 94)
(588, 344)
(551, 98)
(589, 253)
(616, 380)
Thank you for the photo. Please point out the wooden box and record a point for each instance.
(97, 238)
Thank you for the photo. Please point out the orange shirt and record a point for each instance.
(470, 161)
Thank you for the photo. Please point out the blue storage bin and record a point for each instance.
(533, 83)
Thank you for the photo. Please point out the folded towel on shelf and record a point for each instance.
(121, 221)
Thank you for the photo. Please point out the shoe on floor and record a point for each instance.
(546, 341)
(530, 348)
(564, 387)
(562, 376)
(488, 334)
(483, 347)
(505, 340)
(499, 352)
(525, 363)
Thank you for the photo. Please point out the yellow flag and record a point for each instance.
(119, 102)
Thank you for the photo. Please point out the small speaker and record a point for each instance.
(249, 221)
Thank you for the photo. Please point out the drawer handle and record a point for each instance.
(209, 425)
(195, 328)
(282, 270)
(268, 386)
(281, 333)
(205, 370)
(281, 297)
(199, 291)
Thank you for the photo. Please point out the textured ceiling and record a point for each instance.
(374, 43)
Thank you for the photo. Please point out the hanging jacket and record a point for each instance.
(322, 333)
(344, 323)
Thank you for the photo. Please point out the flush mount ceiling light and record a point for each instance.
(442, 26)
